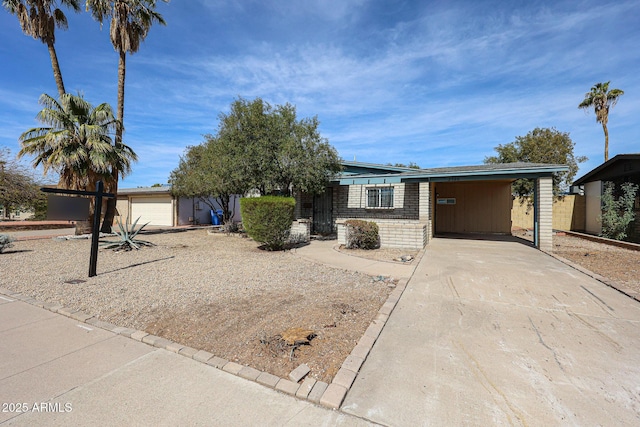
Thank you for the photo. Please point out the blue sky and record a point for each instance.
(437, 83)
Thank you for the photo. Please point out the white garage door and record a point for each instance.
(154, 210)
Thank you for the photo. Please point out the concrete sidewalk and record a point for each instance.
(499, 333)
(56, 371)
(325, 252)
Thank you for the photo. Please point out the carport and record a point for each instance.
(461, 199)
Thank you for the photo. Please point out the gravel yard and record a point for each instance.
(618, 264)
(213, 292)
(615, 263)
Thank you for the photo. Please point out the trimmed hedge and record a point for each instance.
(268, 219)
(362, 234)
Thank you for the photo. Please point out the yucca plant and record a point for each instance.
(127, 237)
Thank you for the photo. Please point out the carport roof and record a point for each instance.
(390, 175)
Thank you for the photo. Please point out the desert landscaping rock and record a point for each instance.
(206, 292)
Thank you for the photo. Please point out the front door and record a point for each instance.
(323, 212)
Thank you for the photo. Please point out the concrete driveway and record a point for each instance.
(499, 333)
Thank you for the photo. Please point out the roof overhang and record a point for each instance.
(508, 171)
(598, 172)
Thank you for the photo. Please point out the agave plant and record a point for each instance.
(5, 242)
(127, 237)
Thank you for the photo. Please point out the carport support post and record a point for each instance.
(543, 224)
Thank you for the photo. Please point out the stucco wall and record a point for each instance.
(188, 212)
(593, 193)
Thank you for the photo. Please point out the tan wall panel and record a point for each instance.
(568, 213)
(481, 207)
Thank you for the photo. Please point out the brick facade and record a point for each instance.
(544, 191)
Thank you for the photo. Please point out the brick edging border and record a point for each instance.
(612, 284)
(328, 395)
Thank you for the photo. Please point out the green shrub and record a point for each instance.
(617, 214)
(362, 234)
(268, 219)
(5, 242)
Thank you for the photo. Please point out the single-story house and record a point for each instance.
(410, 206)
(619, 169)
(157, 206)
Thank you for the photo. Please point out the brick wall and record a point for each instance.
(301, 230)
(349, 201)
(545, 214)
(405, 234)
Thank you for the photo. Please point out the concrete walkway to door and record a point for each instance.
(499, 333)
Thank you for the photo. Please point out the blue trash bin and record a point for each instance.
(215, 219)
(220, 215)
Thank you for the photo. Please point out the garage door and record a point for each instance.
(154, 210)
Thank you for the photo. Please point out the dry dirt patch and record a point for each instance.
(618, 264)
(210, 292)
(615, 263)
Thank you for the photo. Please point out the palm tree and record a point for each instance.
(601, 99)
(76, 142)
(38, 19)
(130, 23)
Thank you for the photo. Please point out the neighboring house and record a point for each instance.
(157, 206)
(16, 214)
(410, 206)
(619, 169)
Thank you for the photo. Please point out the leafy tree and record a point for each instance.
(210, 170)
(541, 145)
(601, 98)
(76, 142)
(411, 165)
(17, 187)
(617, 213)
(39, 19)
(256, 147)
(275, 151)
(130, 22)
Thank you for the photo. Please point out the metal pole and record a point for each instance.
(93, 261)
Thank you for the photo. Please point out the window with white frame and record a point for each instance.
(380, 197)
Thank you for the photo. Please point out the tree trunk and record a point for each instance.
(57, 74)
(113, 187)
(606, 142)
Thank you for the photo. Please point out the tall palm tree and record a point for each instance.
(130, 23)
(38, 19)
(602, 99)
(76, 142)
